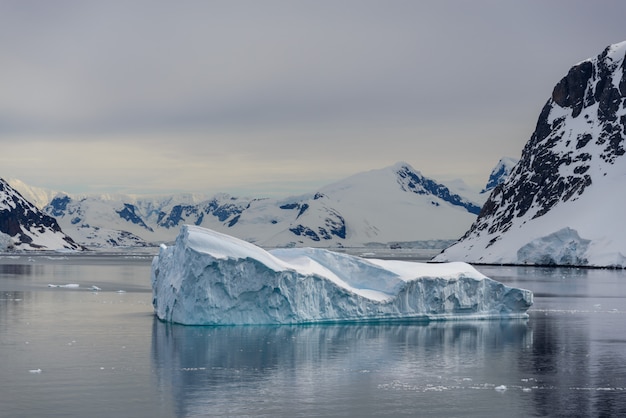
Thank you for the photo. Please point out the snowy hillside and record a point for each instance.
(393, 204)
(24, 227)
(563, 203)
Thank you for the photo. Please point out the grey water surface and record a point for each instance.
(77, 352)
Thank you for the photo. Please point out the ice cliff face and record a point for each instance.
(208, 278)
(24, 227)
(568, 185)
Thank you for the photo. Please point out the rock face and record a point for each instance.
(208, 278)
(24, 227)
(569, 178)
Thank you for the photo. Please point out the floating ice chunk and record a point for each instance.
(563, 247)
(35, 371)
(95, 288)
(208, 278)
(500, 388)
(69, 285)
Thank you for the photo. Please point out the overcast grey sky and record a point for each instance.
(278, 97)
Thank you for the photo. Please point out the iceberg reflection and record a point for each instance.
(291, 370)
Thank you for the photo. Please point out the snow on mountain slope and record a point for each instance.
(563, 203)
(24, 227)
(395, 204)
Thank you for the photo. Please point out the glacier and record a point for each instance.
(209, 278)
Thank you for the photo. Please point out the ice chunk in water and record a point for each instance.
(208, 278)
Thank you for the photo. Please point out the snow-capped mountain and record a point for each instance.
(499, 174)
(393, 204)
(24, 227)
(563, 202)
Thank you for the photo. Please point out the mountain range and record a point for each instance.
(562, 203)
(395, 205)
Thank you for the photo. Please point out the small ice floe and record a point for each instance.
(500, 388)
(95, 288)
(68, 286)
(35, 371)
(121, 291)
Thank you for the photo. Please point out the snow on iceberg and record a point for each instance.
(208, 278)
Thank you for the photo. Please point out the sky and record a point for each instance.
(275, 98)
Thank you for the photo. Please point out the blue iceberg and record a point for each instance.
(208, 278)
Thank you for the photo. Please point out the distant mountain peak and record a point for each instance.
(38, 196)
(500, 173)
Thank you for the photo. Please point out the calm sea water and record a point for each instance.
(74, 352)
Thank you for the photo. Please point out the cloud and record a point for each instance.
(319, 89)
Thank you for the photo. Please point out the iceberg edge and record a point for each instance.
(208, 278)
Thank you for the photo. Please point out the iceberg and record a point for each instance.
(209, 278)
(563, 247)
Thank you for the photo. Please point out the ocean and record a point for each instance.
(77, 351)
